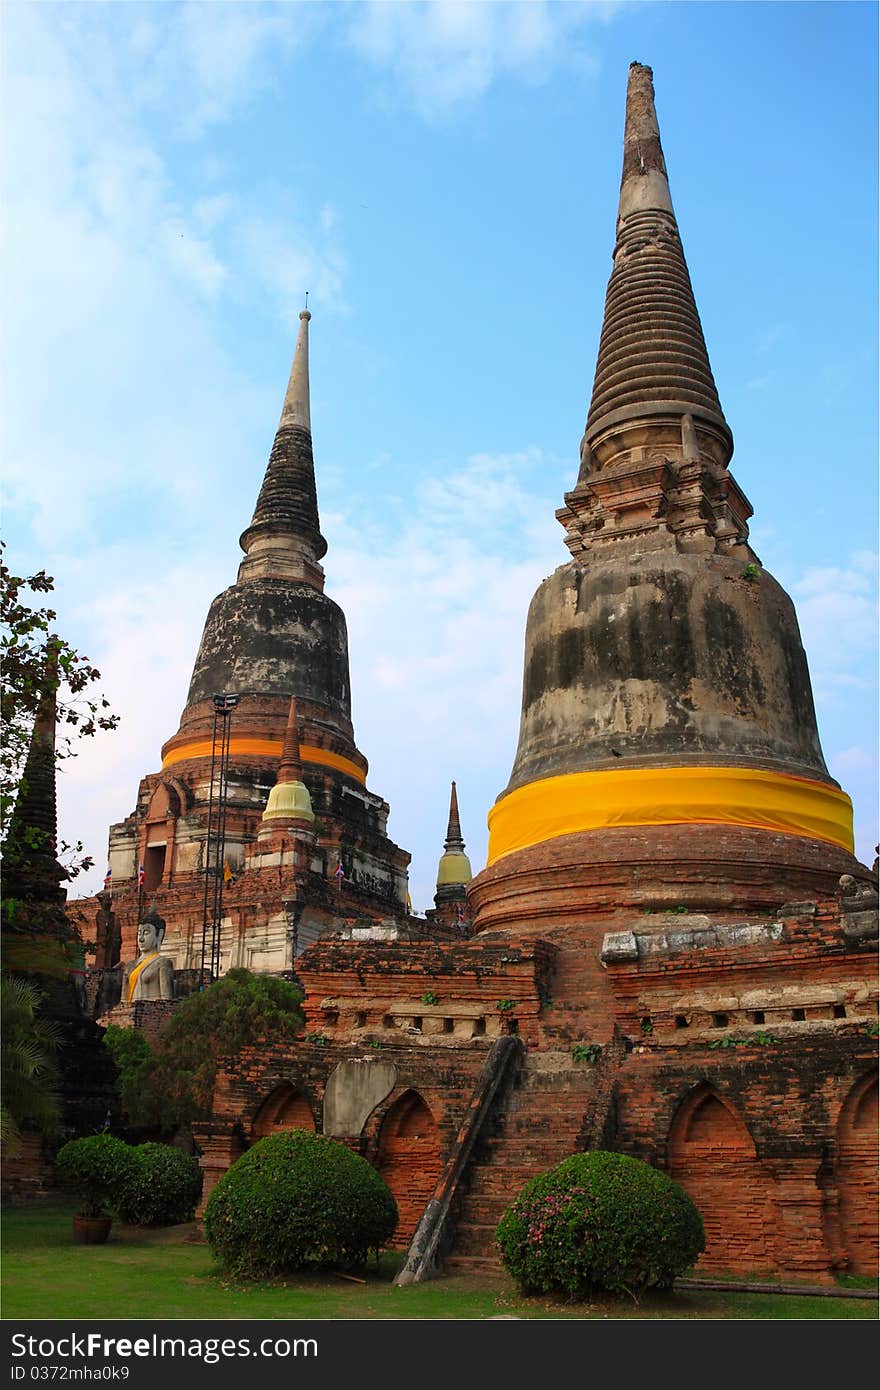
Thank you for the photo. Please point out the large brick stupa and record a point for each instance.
(272, 637)
(668, 752)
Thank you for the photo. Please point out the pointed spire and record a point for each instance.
(290, 767)
(284, 538)
(643, 183)
(453, 829)
(296, 409)
(652, 354)
(31, 868)
(289, 799)
(454, 869)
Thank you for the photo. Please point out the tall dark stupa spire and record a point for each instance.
(275, 631)
(284, 538)
(453, 829)
(31, 869)
(265, 744)
(652, 354)
(37, 935)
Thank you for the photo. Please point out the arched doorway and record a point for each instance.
(409, 1160)
(856, 1173)
(712, 1155)
(157, 851)
(285, 1108)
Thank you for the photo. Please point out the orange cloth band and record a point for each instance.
(265, 748)
(580, 801)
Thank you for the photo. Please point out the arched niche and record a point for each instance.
(409, 1159)
(158, 834)
(856, 1174)
(711, 1153)
(286, 1108)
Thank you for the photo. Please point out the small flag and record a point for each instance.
(140, 876)
(408, 904)
(228, 875)
(339, 872)
(108, 878)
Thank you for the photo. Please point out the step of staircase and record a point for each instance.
(486, 1266)
(477, 1240)
(540, 1126)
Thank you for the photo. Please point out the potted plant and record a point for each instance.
(96, 1170)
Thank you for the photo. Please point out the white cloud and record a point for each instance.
(440, 53)
(193, 64)
(436, 612)
(229, 52)
(113, 363)
(837, 611)
(852, 760)
(143, 638)
(287, 260)
(192, 258)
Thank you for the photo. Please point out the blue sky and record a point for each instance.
(443, 179)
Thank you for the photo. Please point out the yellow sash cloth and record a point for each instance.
(243, 746)
(132, 979)
(579, 801)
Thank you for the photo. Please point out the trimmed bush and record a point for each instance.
(297, 1200)
(163, 1187)
(600, 1222)
(96, 1169)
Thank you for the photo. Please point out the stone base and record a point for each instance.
(608, 875)
(147, 1014)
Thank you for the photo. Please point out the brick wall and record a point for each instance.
(770, 1122)
(27, 1175)
(147, 1014)
(409, 1160)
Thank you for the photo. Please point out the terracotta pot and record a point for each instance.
(91, 1230)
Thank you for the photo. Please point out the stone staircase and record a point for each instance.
(541, 1125)
(582, 1008)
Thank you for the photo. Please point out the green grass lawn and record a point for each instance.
(159, 1274)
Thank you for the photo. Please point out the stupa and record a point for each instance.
(259, 833)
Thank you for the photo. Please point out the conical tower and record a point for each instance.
(274, 649)
(275, 633)
(38, 940)
(668, 742)
(451, 911)
(289, 799)
(41, 944)
(32, 875)
(454, 869)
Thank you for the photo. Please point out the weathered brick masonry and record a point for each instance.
(765, 1114)
(405, 1136)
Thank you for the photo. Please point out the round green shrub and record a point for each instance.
(600, 1222)
(163, 1187)
(296, 1200)
(96, 1169)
